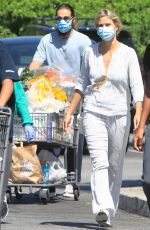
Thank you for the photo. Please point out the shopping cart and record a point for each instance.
(49, 129)
(5, 121)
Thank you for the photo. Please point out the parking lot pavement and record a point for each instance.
(64, 214)
(30, 214)
(132, 197)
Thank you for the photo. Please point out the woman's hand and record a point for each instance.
(76, 98)
(138, 138)
(67, 123)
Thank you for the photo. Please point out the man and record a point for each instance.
(8, 75)
(64, 49)
(145, 121)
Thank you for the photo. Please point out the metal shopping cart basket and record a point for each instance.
(49, 130)
(5, 121)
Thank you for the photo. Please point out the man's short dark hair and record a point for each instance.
(66, 6)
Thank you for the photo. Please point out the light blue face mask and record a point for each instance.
(63, 26)
(106, 33)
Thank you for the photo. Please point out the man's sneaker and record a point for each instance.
(68, 192)
(4, 209)
(103, 218)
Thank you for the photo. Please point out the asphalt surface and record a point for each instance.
(62, 214)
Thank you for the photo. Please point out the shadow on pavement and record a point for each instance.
(33, 198)
(131, 183)
(74, 225)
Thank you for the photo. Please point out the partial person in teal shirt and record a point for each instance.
(23, 111)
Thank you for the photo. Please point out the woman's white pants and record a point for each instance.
(106, 138)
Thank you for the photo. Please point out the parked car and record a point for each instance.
(22, 48)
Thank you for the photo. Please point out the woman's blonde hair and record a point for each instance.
(111, 15)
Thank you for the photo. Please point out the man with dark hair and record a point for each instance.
(63, 48)
(8, 74)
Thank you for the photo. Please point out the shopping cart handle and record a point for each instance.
(5, 110)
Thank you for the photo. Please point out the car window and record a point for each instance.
(36, 30)
(91, 33)
(22, 54)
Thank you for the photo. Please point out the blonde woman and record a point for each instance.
(109, 74)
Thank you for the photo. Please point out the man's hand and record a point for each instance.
(35, 65)
(136, 120)
(138, 139)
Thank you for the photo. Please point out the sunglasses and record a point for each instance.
(65, 18)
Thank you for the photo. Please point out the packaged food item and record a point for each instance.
(45, 165)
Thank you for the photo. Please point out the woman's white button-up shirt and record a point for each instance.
(124, 79)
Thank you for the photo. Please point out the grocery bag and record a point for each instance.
(52, 168)
(56, 172)
(26, 167)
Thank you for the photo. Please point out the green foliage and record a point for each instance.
(25, 76)
(16, 15)
(5, 32)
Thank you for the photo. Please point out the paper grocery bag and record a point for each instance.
(25, 168)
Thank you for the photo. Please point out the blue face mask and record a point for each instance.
(106, 33)
(63, 26)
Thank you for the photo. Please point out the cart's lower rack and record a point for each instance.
(44, 193)
(40, 185)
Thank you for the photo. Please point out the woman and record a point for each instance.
(139, 133)
(109, 70)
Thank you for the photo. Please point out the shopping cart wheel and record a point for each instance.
(44, 195)
(8, 195)
(76, 192)
(18, 192)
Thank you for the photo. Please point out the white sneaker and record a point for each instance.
(4, 209)
(68, 192)
(103, 218)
